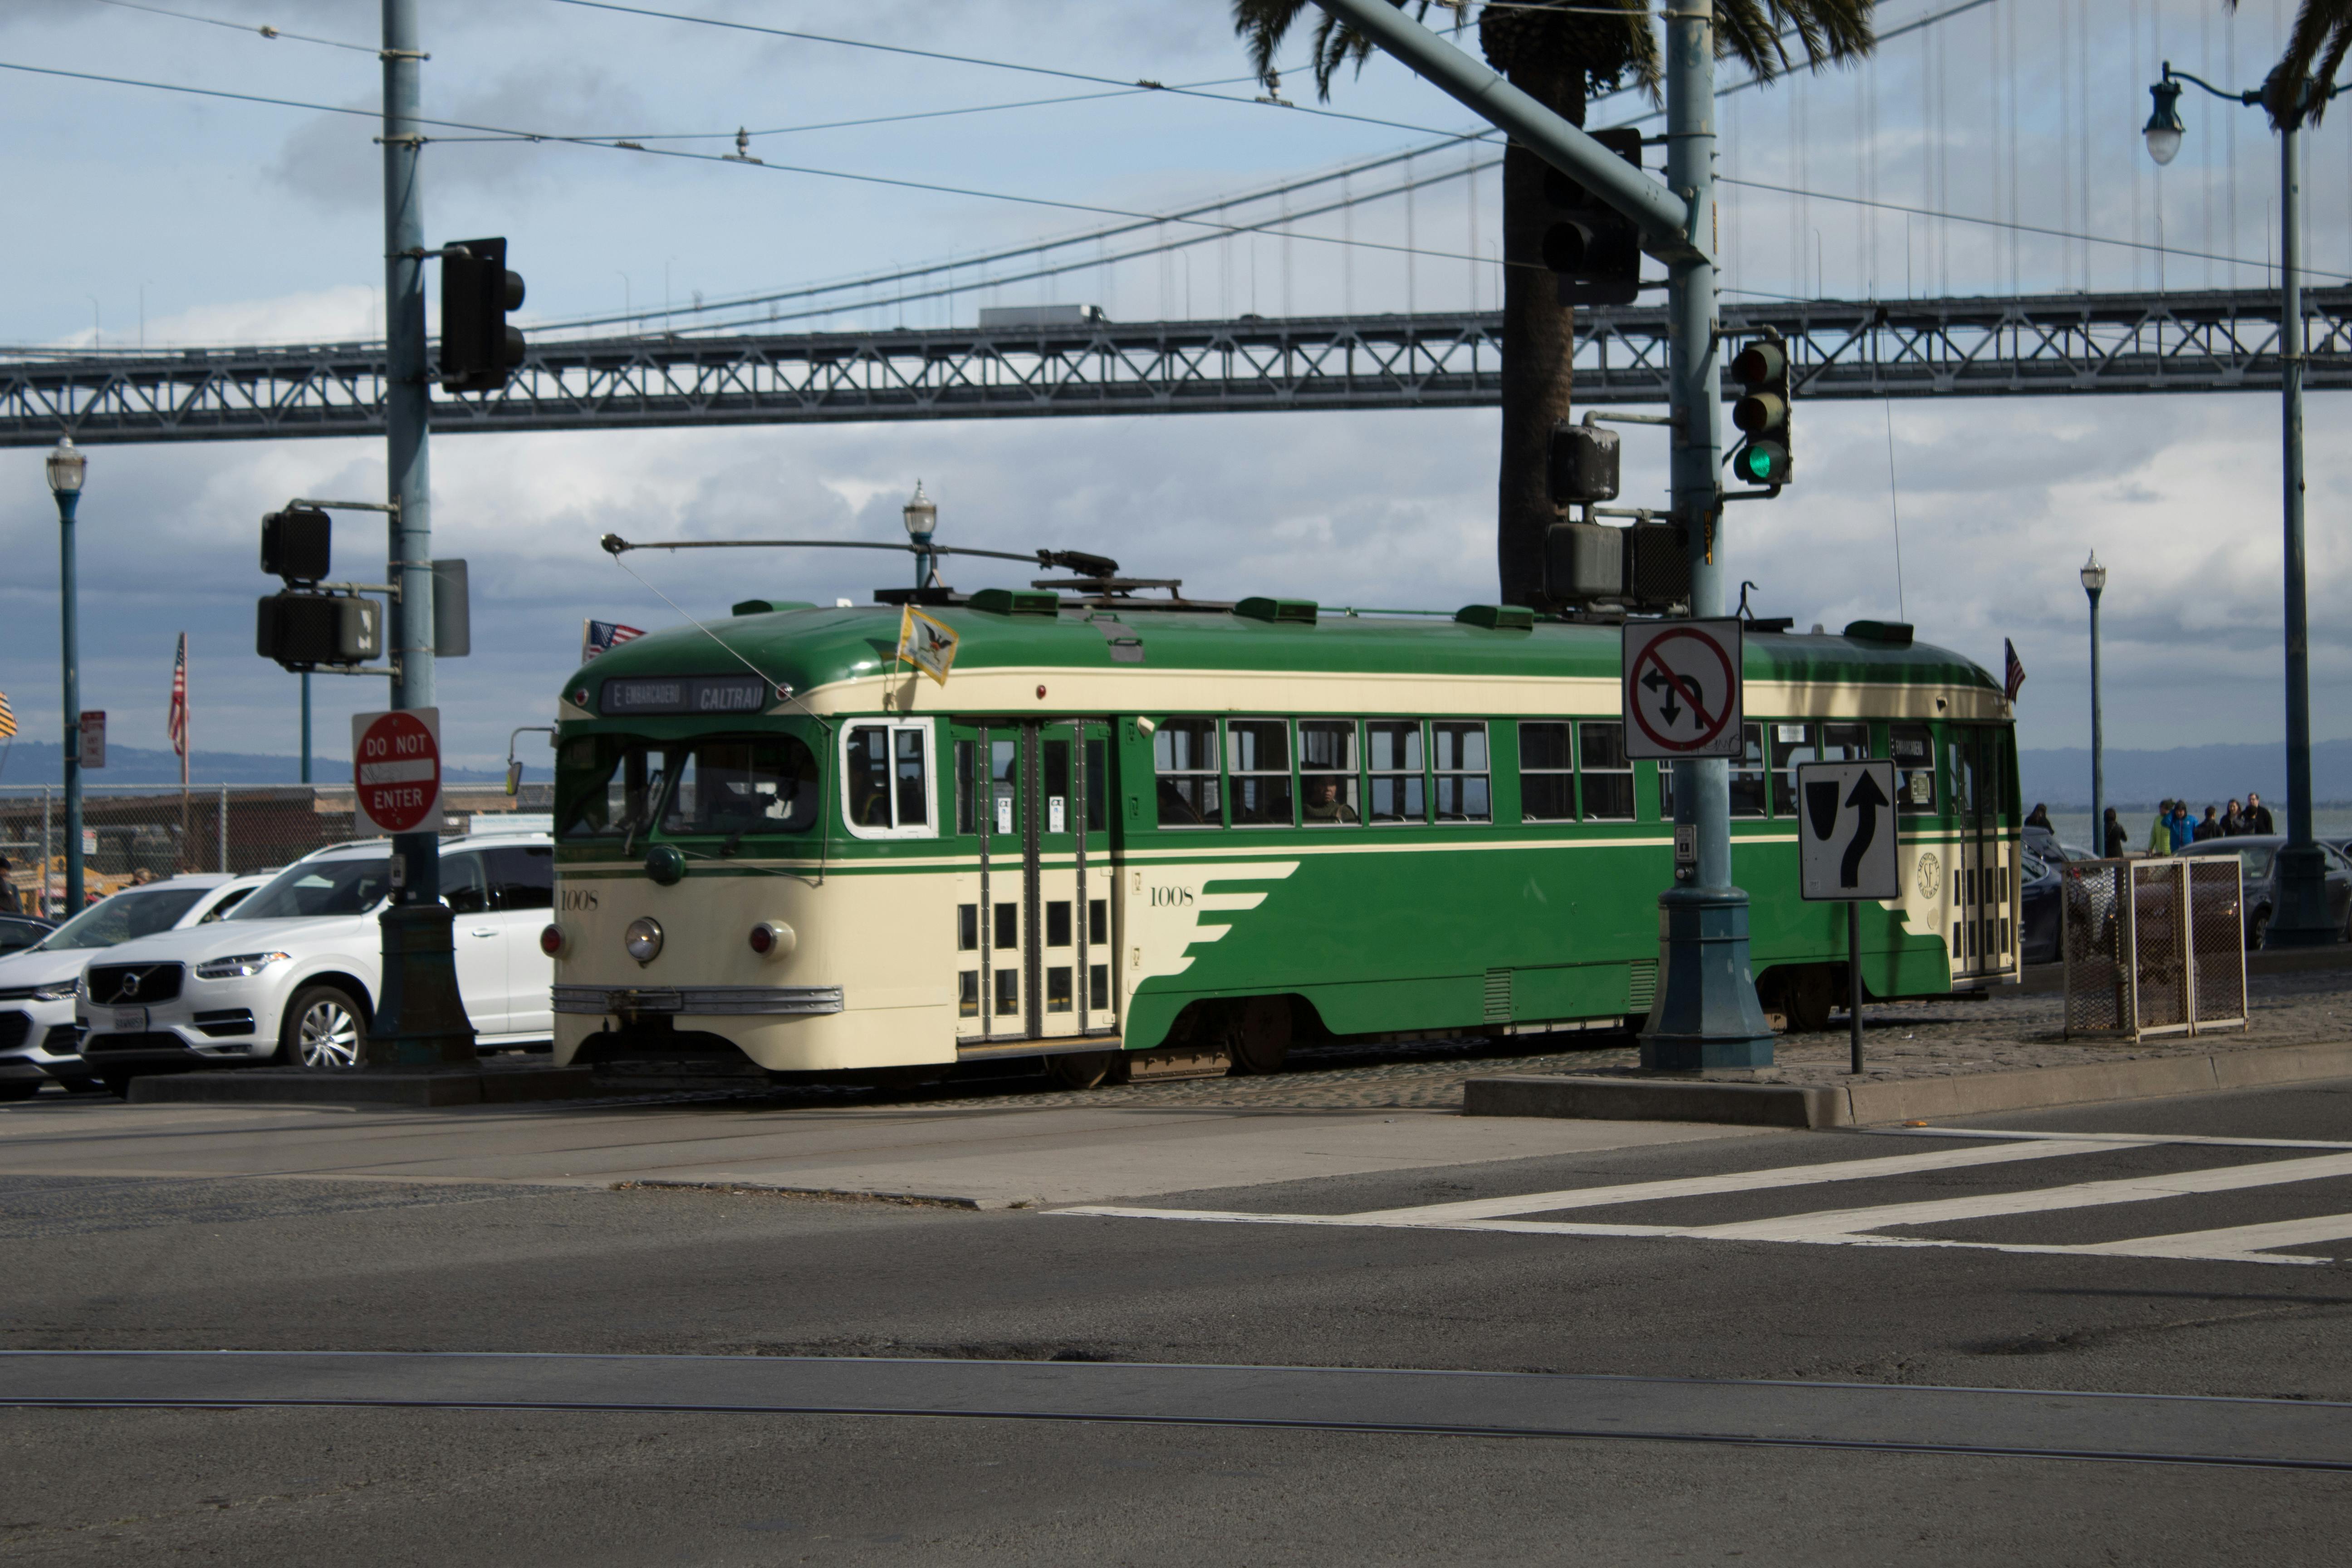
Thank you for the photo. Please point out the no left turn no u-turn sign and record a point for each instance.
(1682, 689)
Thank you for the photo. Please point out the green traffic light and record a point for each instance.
(1759, 463)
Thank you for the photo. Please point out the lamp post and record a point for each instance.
(2300, 915)
(2095, 583)
(922, 517)
(66, 468)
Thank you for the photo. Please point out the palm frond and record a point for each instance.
(2293, 91)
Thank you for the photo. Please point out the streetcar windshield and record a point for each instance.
(768, 785)
(608, 786)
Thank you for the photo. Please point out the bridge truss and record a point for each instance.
(2219, 341)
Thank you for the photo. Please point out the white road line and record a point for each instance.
(2110, 1138)
(1854, 1226)
(1835, 1224)
(1736, 1182)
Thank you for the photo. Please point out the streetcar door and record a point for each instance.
(1033, 904)
(1984, 872)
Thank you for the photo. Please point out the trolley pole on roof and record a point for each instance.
(419, 1019)
(1707, 1015)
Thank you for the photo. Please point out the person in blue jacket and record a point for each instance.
(2184, 831)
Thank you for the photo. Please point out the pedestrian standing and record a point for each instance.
(2210, 827)
(2234, 821)
(2183, 830)
(2258, 815)
(2039, 817)
(2159, 832)
(2115, 843)
(9, 903)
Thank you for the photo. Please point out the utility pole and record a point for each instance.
(2301, 919)
(1707, 1015)
(419, 1019)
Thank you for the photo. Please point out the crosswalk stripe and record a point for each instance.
(1733, 1182)
(2240, 1243)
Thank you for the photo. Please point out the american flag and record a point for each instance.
(595, 636)
(178, 722)
(2012, 669)
(7, 719)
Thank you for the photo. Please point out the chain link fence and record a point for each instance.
(2155, 946)
(165, 831)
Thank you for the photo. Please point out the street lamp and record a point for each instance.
(922, 517)
(2299, 915)
(2095, 583)
(66, 468)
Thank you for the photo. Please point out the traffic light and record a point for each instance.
(1762, 412)
(1593, 248)
(478, 349)
(1583, 464)
(297, 544)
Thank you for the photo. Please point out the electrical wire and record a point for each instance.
(995, 65)
(264, 30)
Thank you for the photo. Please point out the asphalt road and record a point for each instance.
(1284, 1274)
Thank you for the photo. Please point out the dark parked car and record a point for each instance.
(18, 932)
(2043, 843)
(2037, 884)
(2260, 859)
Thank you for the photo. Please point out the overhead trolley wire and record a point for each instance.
(264, 30)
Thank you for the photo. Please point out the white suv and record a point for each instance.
(38, 1042)
(293, 974)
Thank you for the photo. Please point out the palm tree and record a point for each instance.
(2323, 33)
(1558, 55)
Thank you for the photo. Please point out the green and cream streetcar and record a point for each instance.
(1120, 827)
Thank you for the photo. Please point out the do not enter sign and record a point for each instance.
(397, 766)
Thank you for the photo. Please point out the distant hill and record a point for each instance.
(41, 761)
(2201, 773)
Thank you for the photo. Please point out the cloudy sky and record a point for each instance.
(190, 219)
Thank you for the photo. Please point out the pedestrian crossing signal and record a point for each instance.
(1762, 412)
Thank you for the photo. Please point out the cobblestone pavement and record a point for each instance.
(2003, 1031)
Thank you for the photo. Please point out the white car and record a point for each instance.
(292, 976)
(38, 1042)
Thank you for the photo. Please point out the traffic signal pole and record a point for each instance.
(1707, 1015)
(419, 1020)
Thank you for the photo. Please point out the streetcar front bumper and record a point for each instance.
(631, 1001)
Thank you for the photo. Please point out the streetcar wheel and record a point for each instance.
(322, 1028)
(1086, 1070)
(1260, 1038)
(1810, 993)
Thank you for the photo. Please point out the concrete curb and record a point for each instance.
(852, 1195)
(1904, 1100)
(409, 1088)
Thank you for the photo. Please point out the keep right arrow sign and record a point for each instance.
(1845, 832)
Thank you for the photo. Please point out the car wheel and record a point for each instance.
(116, 1081)
(19, 1088)
(2258, 930)
(323, 1028)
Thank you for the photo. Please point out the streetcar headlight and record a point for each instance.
(551, 941)
(773, 939)
(643, 938)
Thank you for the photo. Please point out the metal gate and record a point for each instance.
(2154, 947)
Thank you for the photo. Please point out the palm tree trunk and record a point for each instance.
(1538, 338)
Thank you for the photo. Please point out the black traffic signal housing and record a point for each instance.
(304, 630)
(478, 349)
(1583, 464)
(297, 544)
(1763, 411)
(1594, 250)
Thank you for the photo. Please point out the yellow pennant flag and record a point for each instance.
(926, 644)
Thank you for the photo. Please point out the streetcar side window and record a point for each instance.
(1184, 759)
(1327, 772)
(886, 779)
(1458, 748)
(1399, 793)
(1747, 774)
(1258, 754)
(966, 788)
(1792, 744)
(1608, 775)
(1912, 747)
(1547, 774)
